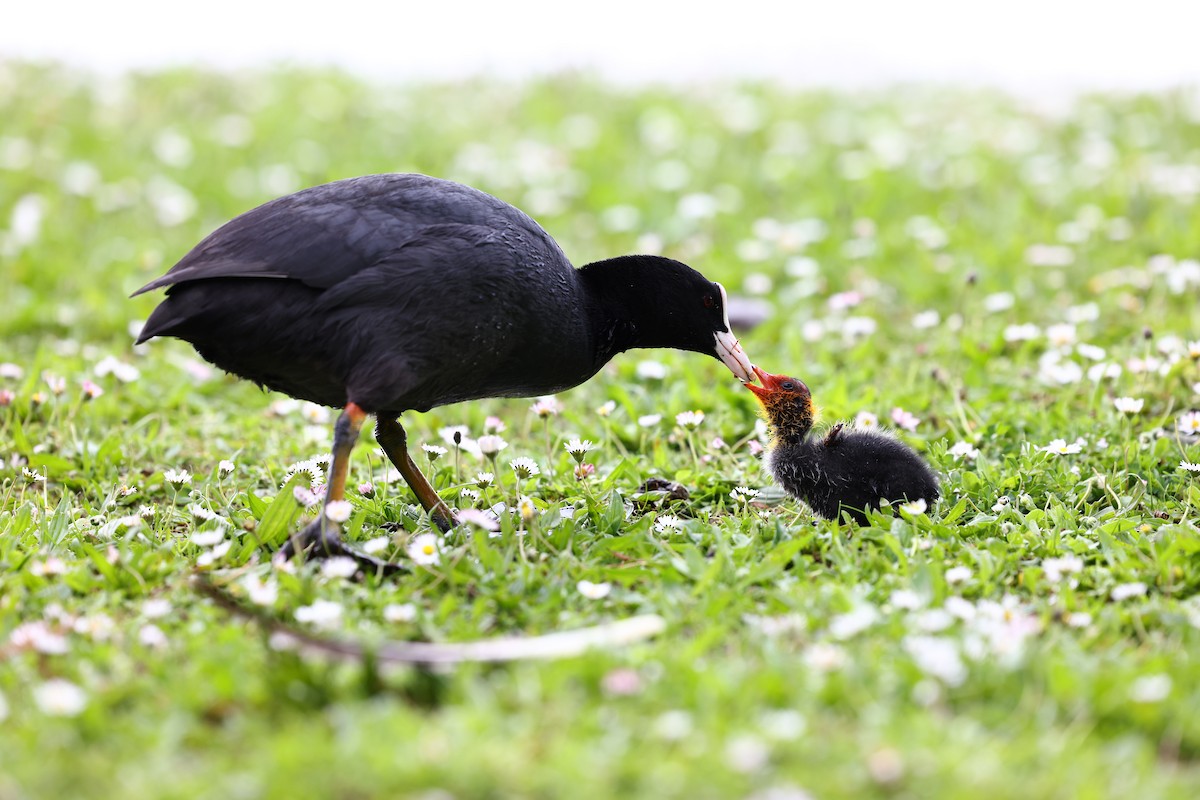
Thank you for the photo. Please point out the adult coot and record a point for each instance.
(389, 293)
(846, 471)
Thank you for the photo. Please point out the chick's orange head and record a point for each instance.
(787, 402)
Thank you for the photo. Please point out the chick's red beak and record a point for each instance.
(770, 383)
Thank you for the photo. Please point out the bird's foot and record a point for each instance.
(321, 539)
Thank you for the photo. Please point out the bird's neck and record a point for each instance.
(621, 310)
(790, 422)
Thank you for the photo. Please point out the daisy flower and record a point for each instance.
(376, 545)
(1189, 466)
(1150, 689)
(305, 497)
(607, 409)
(744, 494)
(1126, 591)
(494, 425)
(689, 420)
(905, 419)
(56, 384)
(1061, 335)
(524, 467)
(649, 420)
(339, 567)
(926, 319)
(545, 406)
(1128, 405)
(491, 444)
(321, 614)
(958, 574)
(526, 508)
(338, 510)
(60, 698)
(225, 467)
(1000, 301)
(434, 452)
(316, 473)
(484, 479)
(1189, 423)
(963, 450)
(668, 523)
(366, 489)
(91, 390)
(594, 591)
(260, 592)
(477, 519)
(865, 420)
(578, 449)
(178, 478)
(1055, 568)
(1060, 447)
(651, 370)
(1021, 333)
(399, 612)
(425, 550)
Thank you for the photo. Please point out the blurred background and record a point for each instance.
(1038, 48)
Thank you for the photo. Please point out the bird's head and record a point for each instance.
(787, 403)
(660, 302)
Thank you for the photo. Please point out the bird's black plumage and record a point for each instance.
(387, 293)
(846, 471)
(401, 292)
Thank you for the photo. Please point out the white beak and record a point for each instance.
(729, 350)
(732, 356)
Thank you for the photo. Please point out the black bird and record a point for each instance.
(389, 293)
(846, 471)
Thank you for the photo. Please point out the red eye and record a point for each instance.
(709, 302)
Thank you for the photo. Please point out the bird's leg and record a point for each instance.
(322, 538)
(394, 441)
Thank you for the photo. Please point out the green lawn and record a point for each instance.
(1000, 272)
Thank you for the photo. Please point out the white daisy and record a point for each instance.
(668, 523)
(578, 449)
(321, 614)
(338, 510)
(60, 698)
(524, 467)
(1128, 405)
(545, 406)
(425, 549)
(491, 444)
(1060, 447)
(178, 478)
(594, 591)
(963, 450)
(1189, 423)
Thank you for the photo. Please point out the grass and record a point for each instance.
(1034, 635)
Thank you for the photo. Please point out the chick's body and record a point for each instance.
(845, 471)
(851, 470)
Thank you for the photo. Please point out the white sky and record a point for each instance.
(1031, 46)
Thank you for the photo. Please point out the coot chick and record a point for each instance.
(846, 471)
(389, 293)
